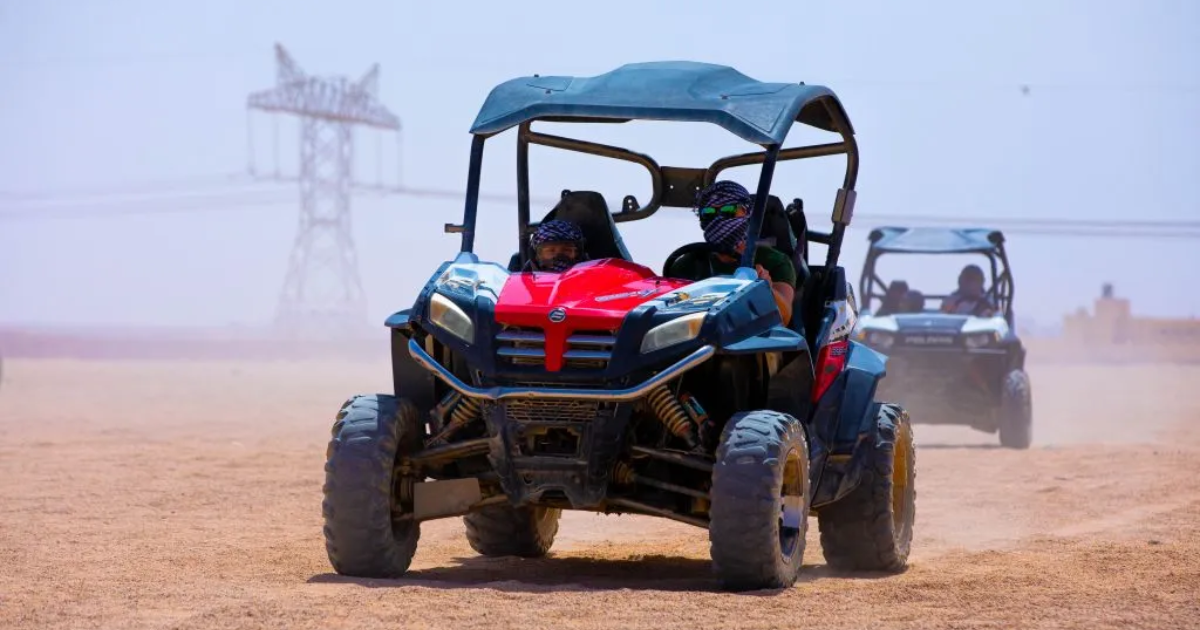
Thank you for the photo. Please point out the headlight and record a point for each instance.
(675, 331)
(879, 339)
(870, 323)
(449, 317)
(995, 325)
(469, 280)
(980, 340)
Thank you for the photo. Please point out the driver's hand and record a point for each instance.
(763, 274)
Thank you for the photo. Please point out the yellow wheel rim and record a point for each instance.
(900, 481)
(792, 497)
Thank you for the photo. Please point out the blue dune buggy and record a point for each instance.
(950, 368)
(611, 388)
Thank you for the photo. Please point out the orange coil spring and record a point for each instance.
(465, 411)
(671, 412)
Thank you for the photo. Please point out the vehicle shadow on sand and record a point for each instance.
(658, 573)
(954, 447)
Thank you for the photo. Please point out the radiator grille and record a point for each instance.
(550, 410)
(586, 350)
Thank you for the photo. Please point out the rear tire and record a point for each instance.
(503, 530)
(362, 538)
(760, 498)
(1016, 411)
(871, 528)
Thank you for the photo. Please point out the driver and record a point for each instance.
(557, 246)
(724, 209)
(970, 298)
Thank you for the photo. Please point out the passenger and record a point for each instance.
(970, 298)
(914, 302)
(724, 209)
(893, 298)
(557, 246)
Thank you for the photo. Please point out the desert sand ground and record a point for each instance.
(187, 495)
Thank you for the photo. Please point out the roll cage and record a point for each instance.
(986, 242)
(693, 92)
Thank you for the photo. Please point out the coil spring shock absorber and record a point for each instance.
(456, 411)
(673, 416)
(623, 473)
(700, 417)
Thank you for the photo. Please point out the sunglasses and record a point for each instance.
(730, 210)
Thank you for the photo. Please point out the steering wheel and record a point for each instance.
(691, 248)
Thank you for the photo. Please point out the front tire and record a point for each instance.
(760, 502)
(1016, 411)
(871, 528)
(363, 538)
(503, 530)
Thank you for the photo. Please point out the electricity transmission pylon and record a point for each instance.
(322, 293)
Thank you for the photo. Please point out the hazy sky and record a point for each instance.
(126, 95)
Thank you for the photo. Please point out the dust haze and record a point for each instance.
(161, 448)
(145, 494)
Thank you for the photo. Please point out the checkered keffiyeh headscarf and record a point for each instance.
(557, 231)
(724, 193)
(726, 233)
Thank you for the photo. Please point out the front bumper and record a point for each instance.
(551, 444)
(629, 394)
(953, 386)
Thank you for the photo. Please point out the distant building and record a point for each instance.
(1112, 331)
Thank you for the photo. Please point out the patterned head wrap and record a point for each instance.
(723, 193)
(557, 231)
(726, 233)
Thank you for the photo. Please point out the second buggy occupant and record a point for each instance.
(724, 209)
(970, 298)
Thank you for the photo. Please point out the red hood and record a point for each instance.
(594, 296)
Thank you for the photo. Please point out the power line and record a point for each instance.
(1050, 222)
(238, 189)
(44, 205)
(201, 201)
(127, 59)
(193, 201)
(1025, 88)
(199, 206)
(874, 222)
(120, 59)
(216, 202)
(1172, 230)
(1029, 88)
(228, 180)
